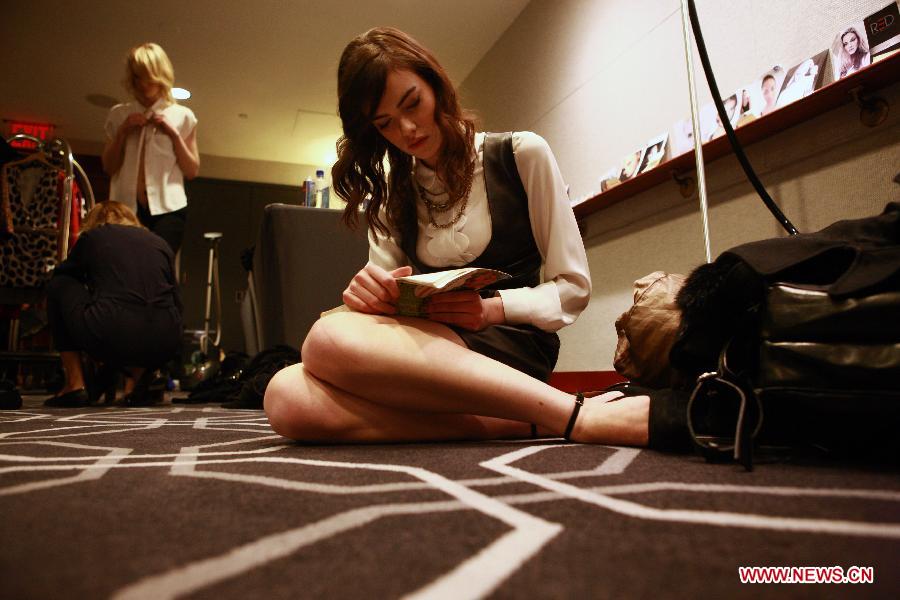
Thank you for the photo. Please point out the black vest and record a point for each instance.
(512, 248)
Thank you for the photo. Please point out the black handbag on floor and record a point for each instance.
(798, 339)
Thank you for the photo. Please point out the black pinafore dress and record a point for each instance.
(511, 249)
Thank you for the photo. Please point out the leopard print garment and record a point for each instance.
(29, 254)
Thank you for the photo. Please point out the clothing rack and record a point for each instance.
(56, 153)
(58, 150)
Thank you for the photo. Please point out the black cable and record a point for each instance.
(726, 124)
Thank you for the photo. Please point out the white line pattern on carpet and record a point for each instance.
(475, 576)
(501, 464)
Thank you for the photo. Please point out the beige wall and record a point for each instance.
(230, 168)
(598, 78)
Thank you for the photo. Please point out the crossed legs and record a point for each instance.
(383, 379)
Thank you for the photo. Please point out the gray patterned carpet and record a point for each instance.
(201, 502)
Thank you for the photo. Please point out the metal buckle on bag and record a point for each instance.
(715, 448)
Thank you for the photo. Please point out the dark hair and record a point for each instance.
(359, 175)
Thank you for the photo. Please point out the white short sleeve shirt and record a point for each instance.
(163, 177)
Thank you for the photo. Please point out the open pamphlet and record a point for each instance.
(415, 289)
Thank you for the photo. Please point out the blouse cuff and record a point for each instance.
(538, 306)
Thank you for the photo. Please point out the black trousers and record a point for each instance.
(168, 226)
(121, 333)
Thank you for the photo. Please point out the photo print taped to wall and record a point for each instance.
(709, 122)
(682, 137)
(732, 109)
(764, 91)
(883, 32)
(610, 179)
(803, 79)
(850, 50)
(630, 164)
(627, 168)
(654, 152)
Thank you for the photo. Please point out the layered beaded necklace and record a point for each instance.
(434, 207)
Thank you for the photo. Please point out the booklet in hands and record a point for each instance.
(416, 289)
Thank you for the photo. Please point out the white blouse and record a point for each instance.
(163, 177)
(566, 287)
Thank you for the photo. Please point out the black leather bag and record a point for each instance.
(826, 373)
(806, 359)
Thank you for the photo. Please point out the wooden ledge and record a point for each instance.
(842, 91)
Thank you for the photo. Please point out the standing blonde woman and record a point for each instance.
(151, 146)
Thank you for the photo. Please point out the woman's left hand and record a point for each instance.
(159, 121)
(466, 309)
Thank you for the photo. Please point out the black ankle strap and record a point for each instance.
(579, 401)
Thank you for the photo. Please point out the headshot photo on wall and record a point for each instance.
(654, 152)
(750, 105)
(767, 89)
(850, 50)
(626, 169)
(731, 109)
(630, 164)
(709, 121)
(682, 136)
(882, 31)
(610, 179)
(803, 79)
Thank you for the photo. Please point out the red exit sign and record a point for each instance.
(42, 131)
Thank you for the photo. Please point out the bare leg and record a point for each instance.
(71, 364)
(133, 374)
(404, 369)
(329, 414)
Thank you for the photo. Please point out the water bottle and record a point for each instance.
(321, 190)
(310, 186)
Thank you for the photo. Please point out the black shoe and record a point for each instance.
(668, 424)
(668, 427)
(148, 391)
(579, 402)
(10, 399)
(103, 384)
(74, 399)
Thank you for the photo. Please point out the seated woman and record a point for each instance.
(114, 298)
(476, 367)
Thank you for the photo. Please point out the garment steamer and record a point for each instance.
(205, 362)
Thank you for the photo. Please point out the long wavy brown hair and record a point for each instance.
(359, 173)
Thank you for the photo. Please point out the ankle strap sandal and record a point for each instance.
(579, 402)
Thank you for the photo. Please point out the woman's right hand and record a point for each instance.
(374, 291)
(133, 121)
(114, 151)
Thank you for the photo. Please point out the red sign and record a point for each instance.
(42, 131)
